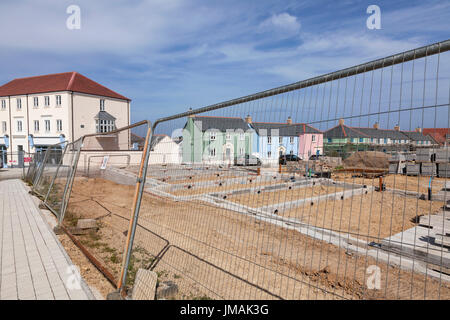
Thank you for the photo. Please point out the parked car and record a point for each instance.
(315, 157)
(248, 160)
(288, 157)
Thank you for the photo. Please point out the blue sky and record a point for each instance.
(169, 55)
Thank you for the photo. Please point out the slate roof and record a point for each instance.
(220, 123)
(342, 131)
(285, 130)
(417, 136)
(382, 133)
(68, 81)
(103, 115)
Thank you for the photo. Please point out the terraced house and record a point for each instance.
(271, 140)
(375, 137)
(215, 140)
(38, 112)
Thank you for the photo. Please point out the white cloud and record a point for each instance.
(283, 22)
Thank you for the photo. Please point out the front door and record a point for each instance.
(20, 156)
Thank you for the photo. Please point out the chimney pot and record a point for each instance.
(397, 128)
(419, 129)
(376, 126)
(289, 120)
(341, 121)
(248, 119)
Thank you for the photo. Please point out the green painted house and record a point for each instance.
(216, 140)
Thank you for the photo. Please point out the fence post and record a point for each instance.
(68, 187)
(136, 207)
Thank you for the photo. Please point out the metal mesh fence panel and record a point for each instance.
(46, 170)
(57, 192)
(330, 188)
(101, 195)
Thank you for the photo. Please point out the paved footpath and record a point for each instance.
(33, 263)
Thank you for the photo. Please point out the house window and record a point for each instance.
(4, 127)
(353, 140)
(3, 104)
(280, 140)
(212, 136)
(313, 138)
(19, 125)
(361, 139)
(228, 136)
(330, 140)
(58, 100)
(36, 102)
(19, 103)
(241, 136)
(212, 152)
(58, 125)
(103, 126)
(269, 140)
(46, 101)
(269, 154)
(241, 151)
(385, 140)
(291, 140)
(102, 104)
(36, 125)
(47, 125)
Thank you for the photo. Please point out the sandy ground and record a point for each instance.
(397, 181)
(88, 271)
(215, 253)
(377, 215)
(272, 197)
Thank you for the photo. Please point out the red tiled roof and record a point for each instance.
(438, 134)
(68, 81)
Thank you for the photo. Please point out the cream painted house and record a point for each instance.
(38, 112)
(165, 150)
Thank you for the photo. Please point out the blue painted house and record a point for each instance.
(273, 139)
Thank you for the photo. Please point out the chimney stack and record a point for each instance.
(341, 122)
(375, 125)
(419, 129)
(248, 119)
(289, 120)
(397, 128)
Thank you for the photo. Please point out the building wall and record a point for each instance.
(165, 152)
(197, 145)
(85, 107)
(308, 147)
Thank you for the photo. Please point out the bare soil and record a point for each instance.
(372, 216)
(397, 181)
(256, 200)
(215, 253)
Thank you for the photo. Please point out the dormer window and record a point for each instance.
(104, 122)
(104, 126)
(102, 104)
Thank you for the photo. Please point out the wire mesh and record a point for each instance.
(101, 191)
(332, 190)
(48, 165)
